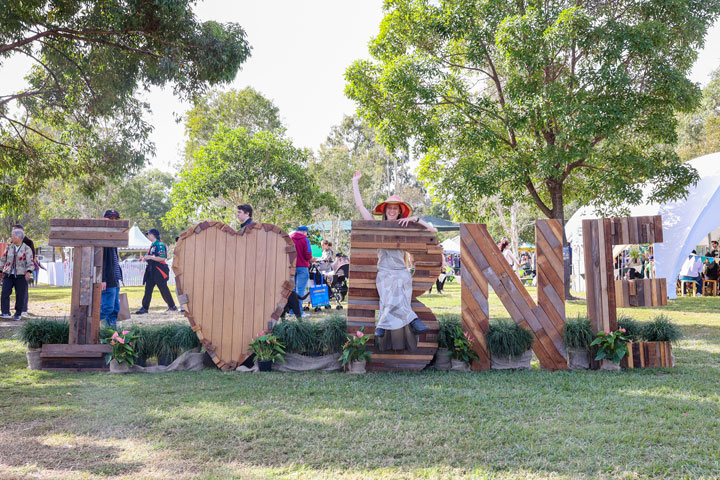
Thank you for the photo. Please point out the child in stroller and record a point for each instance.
(335, 276)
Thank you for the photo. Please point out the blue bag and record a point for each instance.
(320, 296)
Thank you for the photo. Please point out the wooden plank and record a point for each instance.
(88, 235)
(239, 348)
(95, 318)
(67, 350)
(88, 243)
(75, 298)
(92, 222)
(209, 239)
(228, 288)
(249, 293)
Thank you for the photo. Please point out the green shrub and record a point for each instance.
(334, 333)
(577, 333)
(633, 328)
(296, 335)
(506, 337)
(447, 326)
(185, 338)
(660, 329)
(36, 332)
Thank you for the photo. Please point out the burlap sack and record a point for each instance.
(442, 359)
(124, 313)
(191, 361)
(294, 362)
(33, 358)
(356, 367)
(459, 365)
(578, 358)
(506, 362)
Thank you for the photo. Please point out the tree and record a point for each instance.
(699, 132)
(246, 108)
(236, 167)
(543, 102)
(78, 116)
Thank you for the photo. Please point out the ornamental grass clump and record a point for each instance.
(633, 328)
(447, 326)
(660, 329)
(507, 338)
(37, 332)
(333, 333)
(577, 333)
(295, 335)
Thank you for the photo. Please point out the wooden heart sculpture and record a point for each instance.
(363, 300)
(232, 283)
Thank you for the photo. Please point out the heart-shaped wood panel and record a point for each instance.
(232, 283)
(363, 301)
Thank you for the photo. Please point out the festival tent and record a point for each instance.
(686, 224)
(137, 241)
(451, 245)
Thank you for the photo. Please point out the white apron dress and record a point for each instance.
(394, 286)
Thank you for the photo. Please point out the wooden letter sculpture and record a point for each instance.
(83, 352)
(604, 293)
(363, 301)
(483, 263)
(232, 284)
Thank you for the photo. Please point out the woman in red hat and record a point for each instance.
(393, 281)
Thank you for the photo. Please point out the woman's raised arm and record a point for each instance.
(358, 199)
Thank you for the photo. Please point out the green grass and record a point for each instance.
(637, 424)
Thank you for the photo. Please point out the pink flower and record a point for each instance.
(121, 340)
(622, 330)
(607, 332)
(126, 332)
(114, 335)
(359, 334)
(130, 343)
(112, 342)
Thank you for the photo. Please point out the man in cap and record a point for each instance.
(156, 273)
(111, 278)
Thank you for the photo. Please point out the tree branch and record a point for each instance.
(538, 201)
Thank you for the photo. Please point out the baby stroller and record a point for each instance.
(335, 276)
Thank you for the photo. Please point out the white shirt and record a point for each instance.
(692, 267)
(507, 253)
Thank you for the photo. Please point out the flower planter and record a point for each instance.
(33, 358)
(265, 365)
(506, 362)
(459, 365)
(609, 365)
(578, 358)
(648, 355)
(442, 359)
(116, 367)
(358, 366)
(294, 362)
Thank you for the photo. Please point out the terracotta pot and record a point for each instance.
(578, 358)
(459, 365)
(358, 366)
(442, 359)
(116, 367)
(265, 365)
(609, 365)
(33, 358)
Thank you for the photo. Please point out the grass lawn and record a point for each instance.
(512, 425)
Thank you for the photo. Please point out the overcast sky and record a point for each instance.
(300, 51)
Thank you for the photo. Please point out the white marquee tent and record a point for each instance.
(137, 241)
(686, 224)
(451, 245)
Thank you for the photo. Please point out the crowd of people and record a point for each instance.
(696, 268)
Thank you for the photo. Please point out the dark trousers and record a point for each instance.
(20, 285)
(150, 282)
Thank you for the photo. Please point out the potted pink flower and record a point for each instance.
(122, 357)
(355, 355)
(267, 350)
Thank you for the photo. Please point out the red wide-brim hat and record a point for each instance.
(405, 209)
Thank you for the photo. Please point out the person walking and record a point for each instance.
(156, 273)
(393, 280)
(302, 263)
(111, 278)
(16, 266)
(27, 241)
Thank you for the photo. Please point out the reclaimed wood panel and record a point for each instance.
(648, 355)
(366, 237)
(474, 305)
(641, 292)
(483, 261)
(234, 282)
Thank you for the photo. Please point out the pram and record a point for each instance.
(335, 276)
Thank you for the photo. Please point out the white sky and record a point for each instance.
(300, 51)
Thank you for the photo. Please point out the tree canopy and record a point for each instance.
(236, 167)
(79, 116)
(537, 101)
(699, 131)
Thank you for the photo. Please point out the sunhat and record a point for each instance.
(405, 209)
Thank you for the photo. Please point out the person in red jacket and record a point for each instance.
(302, 264)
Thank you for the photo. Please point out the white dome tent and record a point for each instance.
(137, 241)
(686, 222)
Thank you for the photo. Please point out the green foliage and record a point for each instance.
(633, 328)
(267, 347)
(462, 346)
(38, 331)
(699, 131)
(245, 108)
(123, 347)
(300, 336)
(506, 337)
(448, 323)
(354, 349)
(78, 118)
(296, 335)
(333, 333)
(235, 167)
(577, 332)
(164, 341)
(544, 102)
(660, 329)
(611, 345)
